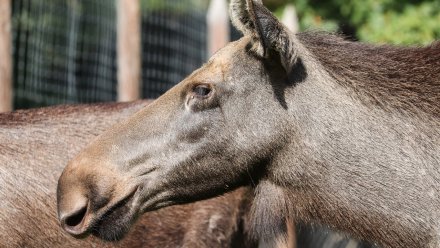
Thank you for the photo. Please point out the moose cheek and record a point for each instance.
(196, 135)
(199, 105)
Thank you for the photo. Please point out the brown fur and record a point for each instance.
(34, 146)
(402, 78)
(343, 134)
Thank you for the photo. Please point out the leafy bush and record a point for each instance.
(380, 21)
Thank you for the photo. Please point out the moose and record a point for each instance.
(34, 145)
(327, 131)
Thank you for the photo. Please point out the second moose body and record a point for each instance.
(329, 131)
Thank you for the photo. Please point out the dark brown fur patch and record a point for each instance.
(403, 78)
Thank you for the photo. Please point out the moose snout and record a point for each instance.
(75, 219)
(74, 208)
(74, 194)
(88, 195)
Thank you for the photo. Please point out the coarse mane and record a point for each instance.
(406, 79)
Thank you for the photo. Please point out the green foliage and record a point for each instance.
(414, 24)
(173, 6)
(380, 21)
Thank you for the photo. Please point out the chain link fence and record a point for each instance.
(65, 51)
(173, 42)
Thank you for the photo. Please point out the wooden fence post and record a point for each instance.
(5, 56)
(217, 20)
(128, 49)
(290, 18)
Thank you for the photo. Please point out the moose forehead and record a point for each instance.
(215, 71)
(217, 68)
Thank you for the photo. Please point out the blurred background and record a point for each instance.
(405, 22)
(82, 51)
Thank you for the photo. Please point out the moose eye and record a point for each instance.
(202, 90)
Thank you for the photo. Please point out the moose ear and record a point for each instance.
(252, 18)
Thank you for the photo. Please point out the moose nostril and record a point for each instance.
(76, 218)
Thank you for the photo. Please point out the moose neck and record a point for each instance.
(358, 165)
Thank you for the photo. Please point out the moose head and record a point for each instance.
(214, 131)
(306, 119)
